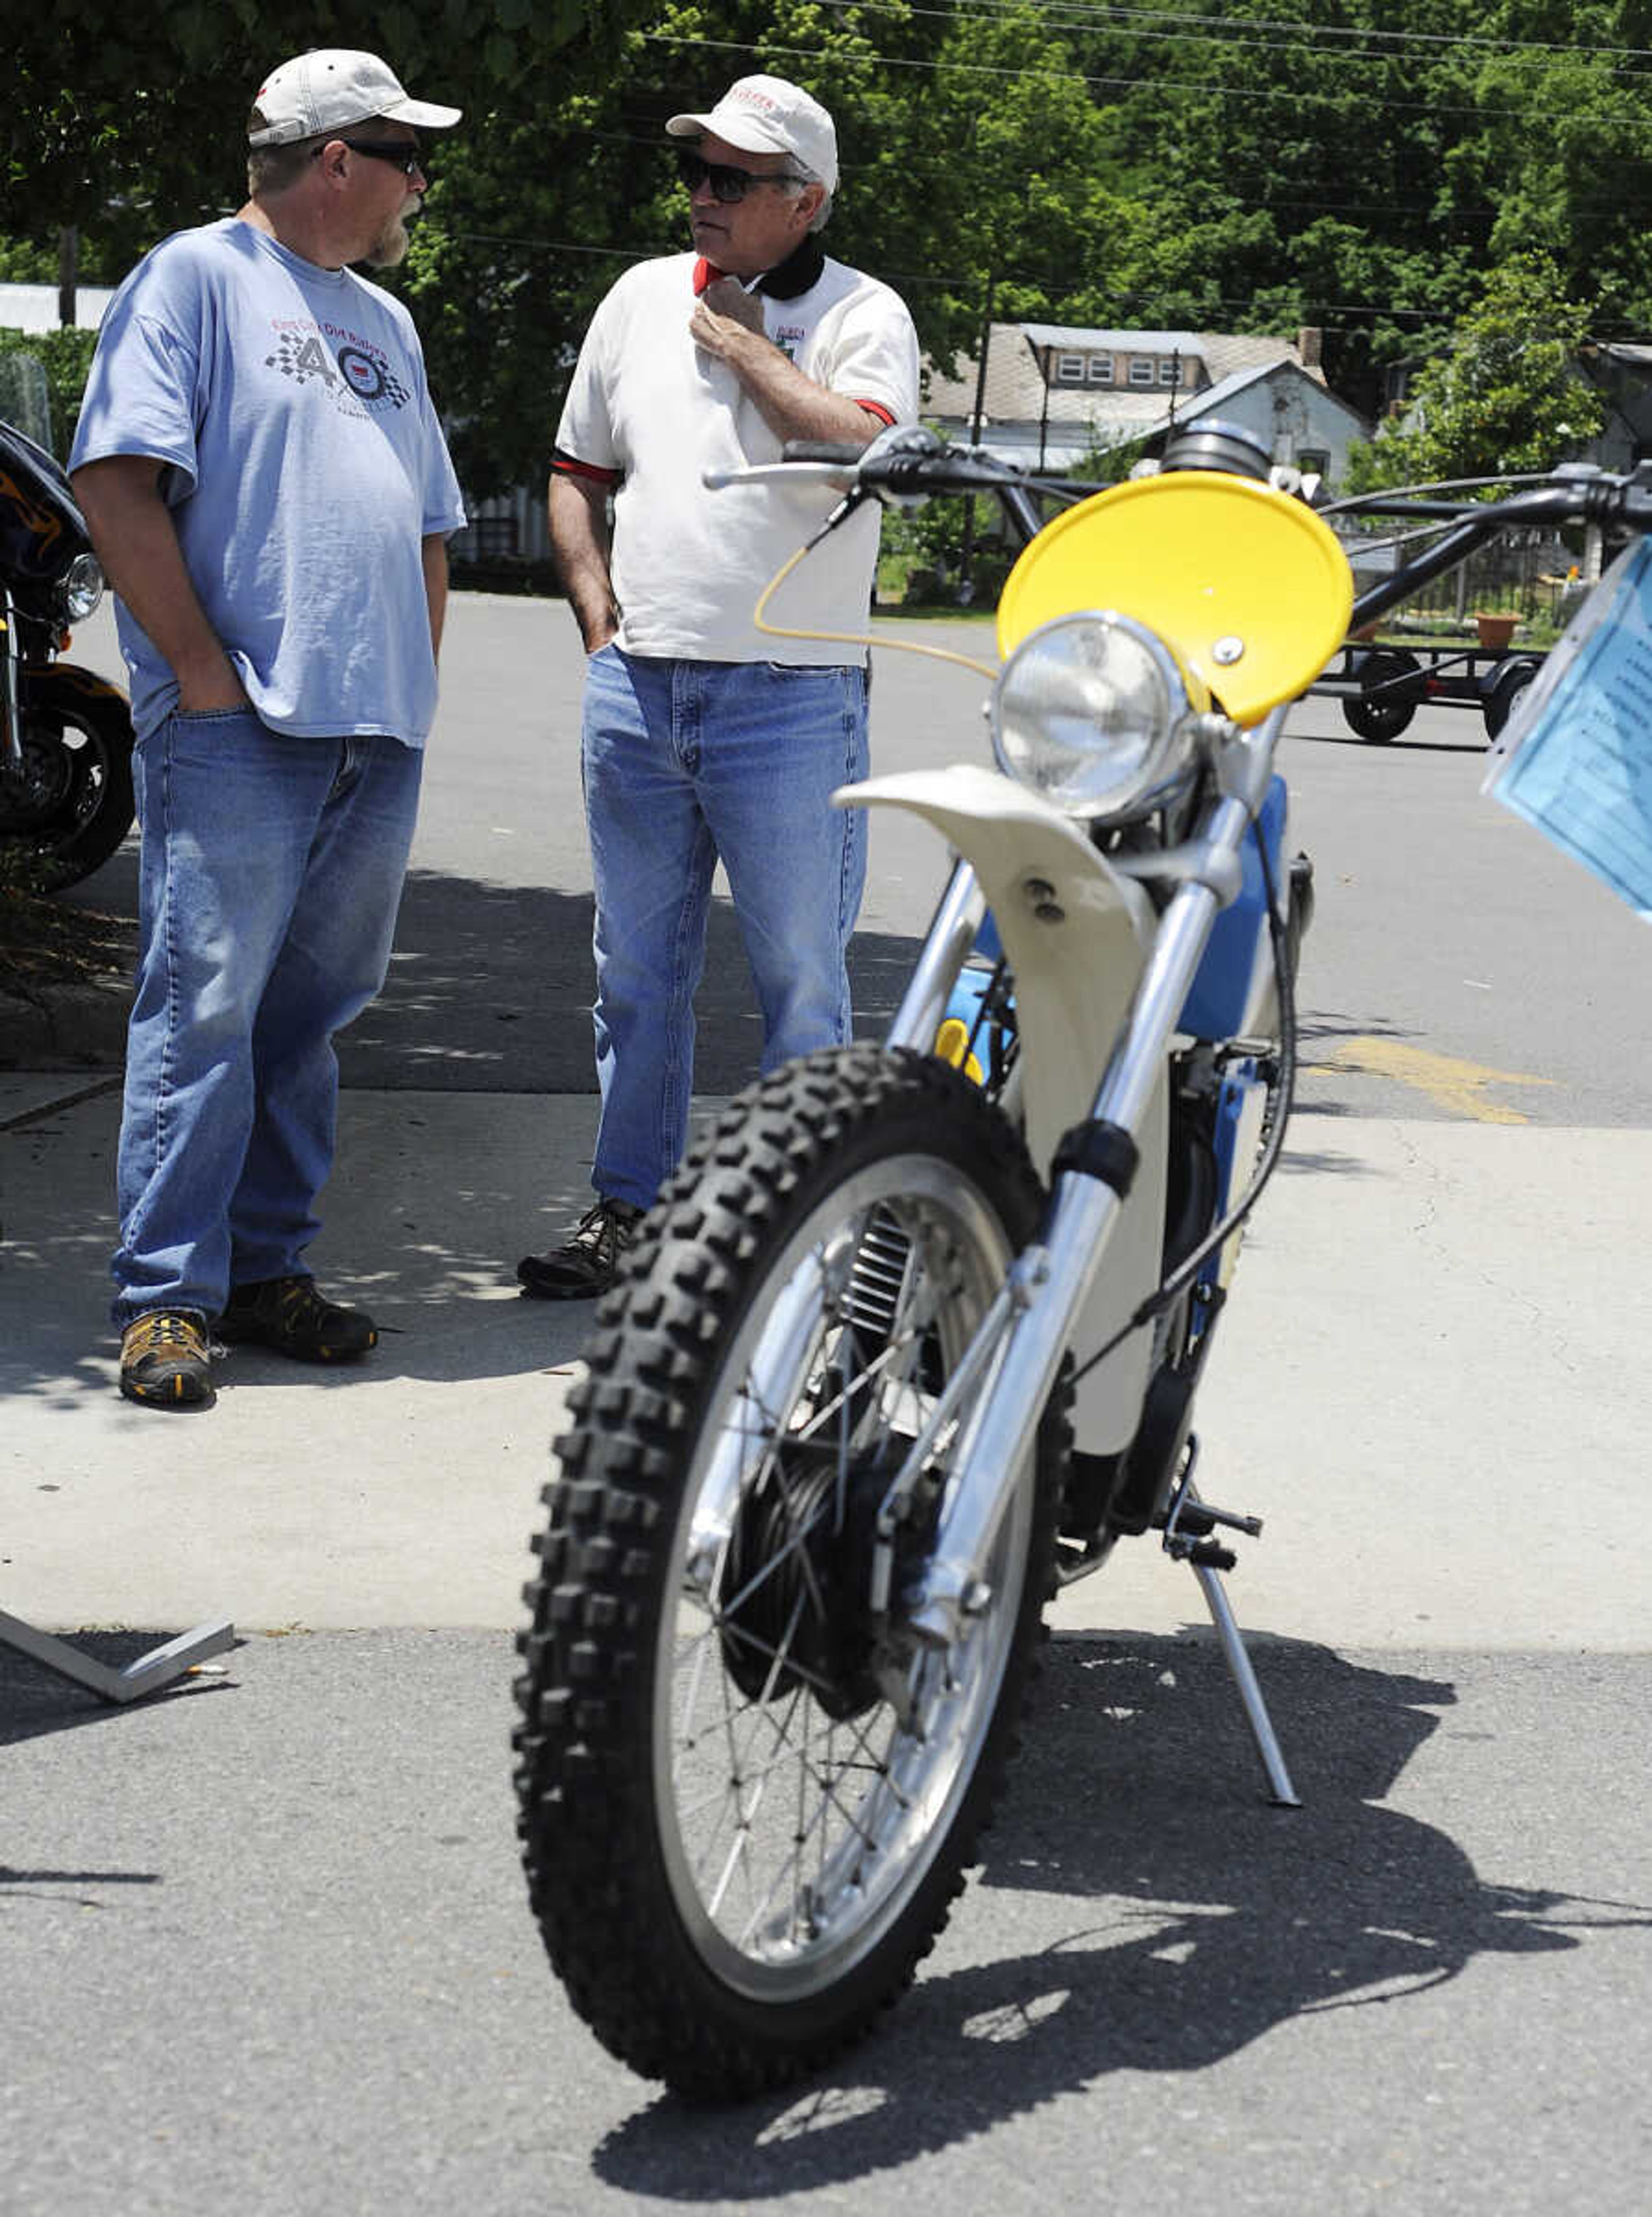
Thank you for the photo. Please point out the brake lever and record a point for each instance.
(896, 455)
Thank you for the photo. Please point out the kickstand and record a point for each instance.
(1187, 1526)
(158, 1668)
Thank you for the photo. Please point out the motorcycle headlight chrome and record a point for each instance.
(1095, 712)
(82, 588)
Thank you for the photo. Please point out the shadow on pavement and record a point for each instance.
(34, 1700)
(490, 986)
(1215, 1919)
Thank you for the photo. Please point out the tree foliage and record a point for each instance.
(1505, 395)
(1362, 170)
(126, 122)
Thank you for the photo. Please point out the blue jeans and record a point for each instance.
(685, 763)
(268, 878)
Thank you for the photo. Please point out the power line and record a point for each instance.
(1295, 96)
(1220, 30)
(651, 140)
(1046, 282)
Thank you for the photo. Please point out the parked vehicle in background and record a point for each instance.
(65, 733)
(1382, 688)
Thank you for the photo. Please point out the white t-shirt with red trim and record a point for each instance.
(649, 411)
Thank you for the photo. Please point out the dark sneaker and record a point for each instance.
(587, 1262)
(164, 1360)
(289, 1315)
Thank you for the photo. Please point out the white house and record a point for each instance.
(1052, 393)
(35, 307)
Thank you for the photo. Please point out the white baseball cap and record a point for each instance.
(331, 89)
(766, 115)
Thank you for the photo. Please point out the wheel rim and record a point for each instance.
(59, 783)
(794, 1837)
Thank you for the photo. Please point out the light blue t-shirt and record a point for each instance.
(304, 463)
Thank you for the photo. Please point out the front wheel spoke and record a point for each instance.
(744, 1794)
(814, 1830)
(881, 1365)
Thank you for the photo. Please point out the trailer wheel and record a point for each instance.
(1397, 679)
(1504, 696)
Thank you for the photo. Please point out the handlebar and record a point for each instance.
(1576, 495)
(907, 465)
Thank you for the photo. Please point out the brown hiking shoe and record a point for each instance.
(290, 1316)
(586, 1262)
(164, 1361)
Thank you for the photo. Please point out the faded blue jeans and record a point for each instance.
(685, 763)
(270, 875)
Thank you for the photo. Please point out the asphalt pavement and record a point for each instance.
(262, 1938)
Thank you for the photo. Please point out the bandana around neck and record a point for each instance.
(795, 275)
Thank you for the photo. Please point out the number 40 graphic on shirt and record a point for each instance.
(311, 358)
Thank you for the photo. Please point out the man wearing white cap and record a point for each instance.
(703, 738)
(266, 482)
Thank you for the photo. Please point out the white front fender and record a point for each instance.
(1075, 932)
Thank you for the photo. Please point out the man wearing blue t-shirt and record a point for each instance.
(266, 483)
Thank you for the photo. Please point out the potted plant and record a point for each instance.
(1496, 626)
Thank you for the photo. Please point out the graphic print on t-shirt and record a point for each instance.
(356, 373)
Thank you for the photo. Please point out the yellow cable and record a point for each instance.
(986, 669)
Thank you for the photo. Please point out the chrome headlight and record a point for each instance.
(82, 588)
(1095, 712)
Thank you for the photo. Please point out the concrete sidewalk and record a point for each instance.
(1431, 1385)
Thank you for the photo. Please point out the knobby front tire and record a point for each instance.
(747, 1800)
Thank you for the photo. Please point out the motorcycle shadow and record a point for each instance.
(1181, 1916)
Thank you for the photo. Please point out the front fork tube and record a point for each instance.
(11, 737)
(1051, 1279)
(947, 942)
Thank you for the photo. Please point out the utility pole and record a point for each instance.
(967, 552)
(68, 274)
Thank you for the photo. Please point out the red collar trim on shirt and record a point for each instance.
(788, 280)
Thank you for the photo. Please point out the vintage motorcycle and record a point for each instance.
(913, 1336)
(66, 733)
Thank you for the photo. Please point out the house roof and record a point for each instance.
(1634, 354)
(1075, 336)
(1117, 419)
(1015, 390)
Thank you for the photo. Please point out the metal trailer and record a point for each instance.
(1382, 688)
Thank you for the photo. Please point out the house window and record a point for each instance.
(1170, 370)
(1101, 369)
(1143, 369)
(1069, 369)
(1313, 460)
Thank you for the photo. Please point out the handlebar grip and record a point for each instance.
(821, 450)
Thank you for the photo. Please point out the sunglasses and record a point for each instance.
(396, 152)
(729, 184)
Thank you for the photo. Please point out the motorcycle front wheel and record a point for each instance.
(68, 804)
(747, 1796)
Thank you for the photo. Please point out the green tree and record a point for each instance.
(1341, 164)
(1505, 395)
(125, 123)
(65, 356)
(944, 194)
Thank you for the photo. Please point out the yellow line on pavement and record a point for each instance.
(1457, 1087)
